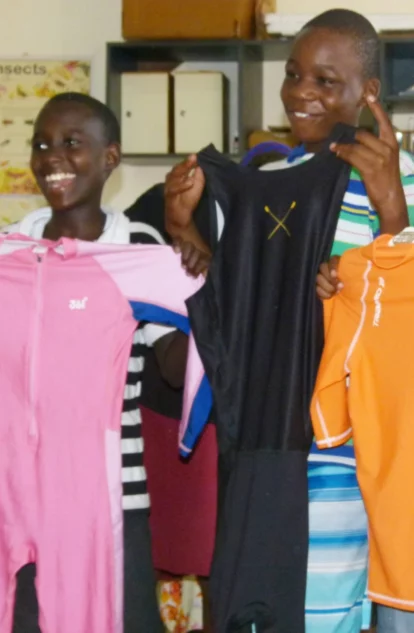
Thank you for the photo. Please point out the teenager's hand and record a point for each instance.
(194, 261)
(327, 282)
(378, 161)
(183, 188)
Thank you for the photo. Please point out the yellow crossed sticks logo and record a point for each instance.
(280, 223)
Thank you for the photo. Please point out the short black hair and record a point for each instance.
(98, 109)
(360, 29)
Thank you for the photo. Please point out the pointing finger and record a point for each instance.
(386, 132)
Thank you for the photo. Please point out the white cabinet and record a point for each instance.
(199, 111)
(146, 113)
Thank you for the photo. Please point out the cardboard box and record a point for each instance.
(188, 19)
(146, 113)
(200, 111)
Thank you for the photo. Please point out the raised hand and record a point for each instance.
(378, 162)
(327, 282)
(194, 261)
(183, 189)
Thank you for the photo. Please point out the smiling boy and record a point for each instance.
(75, 149)
(332, 73)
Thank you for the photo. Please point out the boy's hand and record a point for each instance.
(327, 282)
(378, 161)
(184, 185)
(194, 261)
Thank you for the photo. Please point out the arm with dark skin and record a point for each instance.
(171, 354)
(171, 349)
(378, 161)
(183, 189)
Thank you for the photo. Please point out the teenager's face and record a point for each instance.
(70, 157)
(324, 85)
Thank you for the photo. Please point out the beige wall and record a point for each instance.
(365, 6)
(76, 28)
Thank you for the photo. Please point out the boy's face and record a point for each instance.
(70, 158)
(324, 85)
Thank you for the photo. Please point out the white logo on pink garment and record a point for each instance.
(78, 304)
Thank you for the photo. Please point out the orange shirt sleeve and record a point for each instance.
(343, 325)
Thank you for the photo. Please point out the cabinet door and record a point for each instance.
(188, 19)
(199, 111)
(145, 107)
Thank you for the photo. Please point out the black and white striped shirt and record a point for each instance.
(134, 479)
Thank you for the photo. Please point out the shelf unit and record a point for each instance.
(397, 69)
(241, 61)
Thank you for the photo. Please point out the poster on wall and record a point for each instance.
(25, 86)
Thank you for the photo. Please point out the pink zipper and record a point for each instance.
(33, 363)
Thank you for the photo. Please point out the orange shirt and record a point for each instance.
(365, 389)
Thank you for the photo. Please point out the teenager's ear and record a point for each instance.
(113, 156)
(372, 89)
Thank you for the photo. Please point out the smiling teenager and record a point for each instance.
(75, 149)
(332, 74)
(73, 155)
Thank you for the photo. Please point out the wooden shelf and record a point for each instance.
(164, 159)
(242, 62)
(397, 69)
(408, 98)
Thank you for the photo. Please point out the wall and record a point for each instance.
(366, 6)
(76, 28)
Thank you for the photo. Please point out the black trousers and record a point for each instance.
(141, 613)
